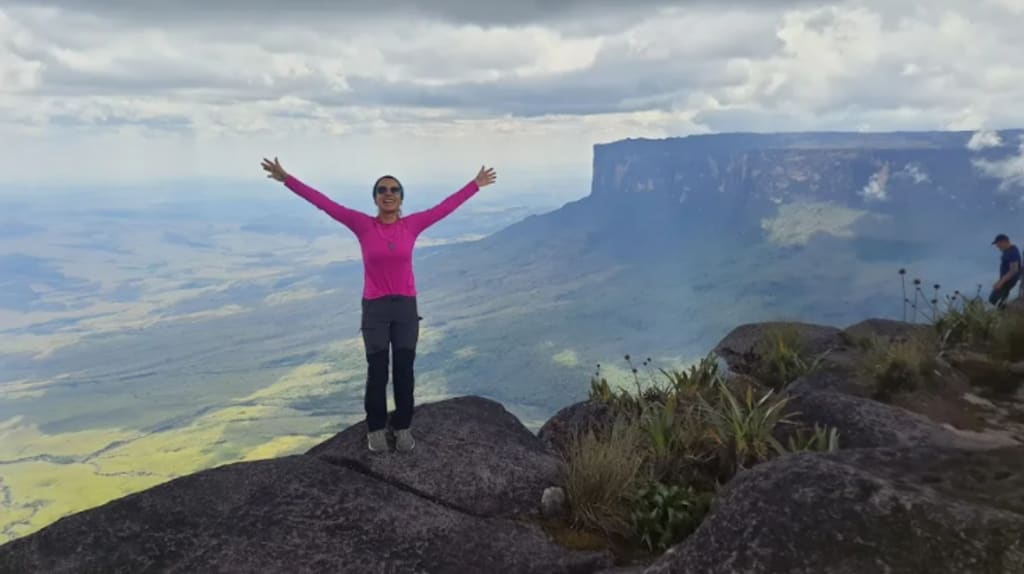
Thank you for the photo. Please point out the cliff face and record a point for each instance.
(882, 172)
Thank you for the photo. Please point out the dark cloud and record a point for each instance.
(624, 77)
(498, 12)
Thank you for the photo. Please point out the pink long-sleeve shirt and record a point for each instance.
(387, 247)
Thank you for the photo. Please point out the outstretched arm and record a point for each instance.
(424, 219)
(350, 218)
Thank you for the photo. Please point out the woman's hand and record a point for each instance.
(274, 169)
(485, 177)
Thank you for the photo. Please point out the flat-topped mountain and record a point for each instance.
(682, 238)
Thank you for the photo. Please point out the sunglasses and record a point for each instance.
(393, 189)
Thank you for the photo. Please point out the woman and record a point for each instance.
(390, 319)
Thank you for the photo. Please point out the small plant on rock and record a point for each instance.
(619, 400)
(659, 420)
(779, 358)
(901, 366)
(743, 427)
(966, 321)
(699, 377)
(664, 514)
(820, 439)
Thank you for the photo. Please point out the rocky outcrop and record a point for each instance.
(911, 510)
(471, 454)
(904, 495)
(446, 507)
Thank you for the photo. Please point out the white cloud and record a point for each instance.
(17, 74)
(393, 90)
(984, 139)
(915, 172)
(1009, 171)
(875, 189)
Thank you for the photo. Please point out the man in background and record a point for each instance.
(1009, 271)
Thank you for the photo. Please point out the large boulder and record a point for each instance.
(917, 510)
(866, 423)
(471, 454)
(739, 343)
(572, 420)
(295, 514)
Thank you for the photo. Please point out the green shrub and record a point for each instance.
(620, 401)
(602, 474)
(901, 366)
(678, 441)
(780, 358)
(659, 420)
(700, 377)
(665, 514)
(966, 322)
(743, 427)
(651, 473)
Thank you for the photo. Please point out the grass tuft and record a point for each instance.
(603, 471)
(780, 358)
(901, 366)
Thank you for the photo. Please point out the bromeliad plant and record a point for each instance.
(698, 378)
(742, 427)
(779, 358)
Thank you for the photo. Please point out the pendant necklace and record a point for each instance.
(389, 239)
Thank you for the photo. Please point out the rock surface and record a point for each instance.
(445, 507)
(905, 494)
(865, 423)
(295, 514)
(471, 454)
(886, 329)
(814, 340)
(833, 376)
(900, 511)
(575, 418)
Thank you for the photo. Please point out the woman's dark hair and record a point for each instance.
(382, 178)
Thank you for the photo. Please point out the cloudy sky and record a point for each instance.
(113, 91)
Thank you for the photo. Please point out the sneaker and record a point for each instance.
(377, 441)
(404, 441)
